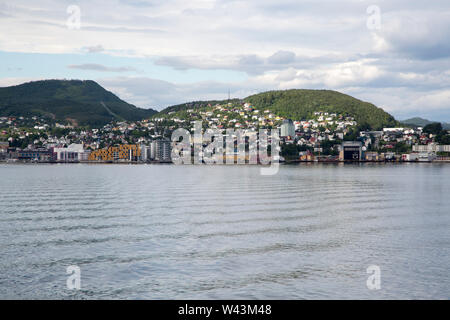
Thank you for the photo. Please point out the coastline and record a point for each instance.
(288, 162)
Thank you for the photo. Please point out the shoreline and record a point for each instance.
(290, 162)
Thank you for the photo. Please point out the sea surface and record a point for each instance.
(225, 232)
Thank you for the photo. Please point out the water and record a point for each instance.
(225, 232)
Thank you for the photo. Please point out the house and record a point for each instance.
(371, 156)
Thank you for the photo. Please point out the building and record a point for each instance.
(393, 129)
(389, 156)
(160, 150)
(4, 146)
(40, 155)
(410, 157)
(427, 156)
(73, 153)
(432, 147)
(287, 128)
(306, 156)
(145, 152)
(3, 150)
(351, 151)
(126, 152)
(372, 156)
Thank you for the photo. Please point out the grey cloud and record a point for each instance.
(252, 64)
(423, 37)
(94, 49)
(282, 57)
(252, 59)
(180, 63)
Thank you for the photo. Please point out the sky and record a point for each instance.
(157, 53)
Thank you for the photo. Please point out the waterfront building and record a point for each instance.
(73, 153)
(371, 156)
(125, 152)
(161, 150)
(3, 150)
(4, 146)
(351, 151)
(40, 155)
(410, 157)
(306, 156)
(389, 156)
(145, 152)
(427, 156)
(84, 156)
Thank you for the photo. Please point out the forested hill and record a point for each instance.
(300, 104)
(421, 122)
(80, 102)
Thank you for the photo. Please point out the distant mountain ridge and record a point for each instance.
(300, 104)
(80, 102)
(421, 122)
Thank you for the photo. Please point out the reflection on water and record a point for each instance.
(224, 232)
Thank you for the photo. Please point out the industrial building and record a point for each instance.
(351, 151)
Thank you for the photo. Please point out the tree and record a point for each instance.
(401, 147)
(443, 139)
(433, 128)
(289, 151)
(352, 135)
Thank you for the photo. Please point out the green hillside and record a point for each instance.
(300, 104)
(80, 102)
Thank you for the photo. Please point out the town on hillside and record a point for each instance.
(325, 136)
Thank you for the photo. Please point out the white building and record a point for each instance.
(393, 129)
(73, 153)
(160, 150)
(410, 157)
(432, 147)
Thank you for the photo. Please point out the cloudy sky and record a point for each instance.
(155, 53)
